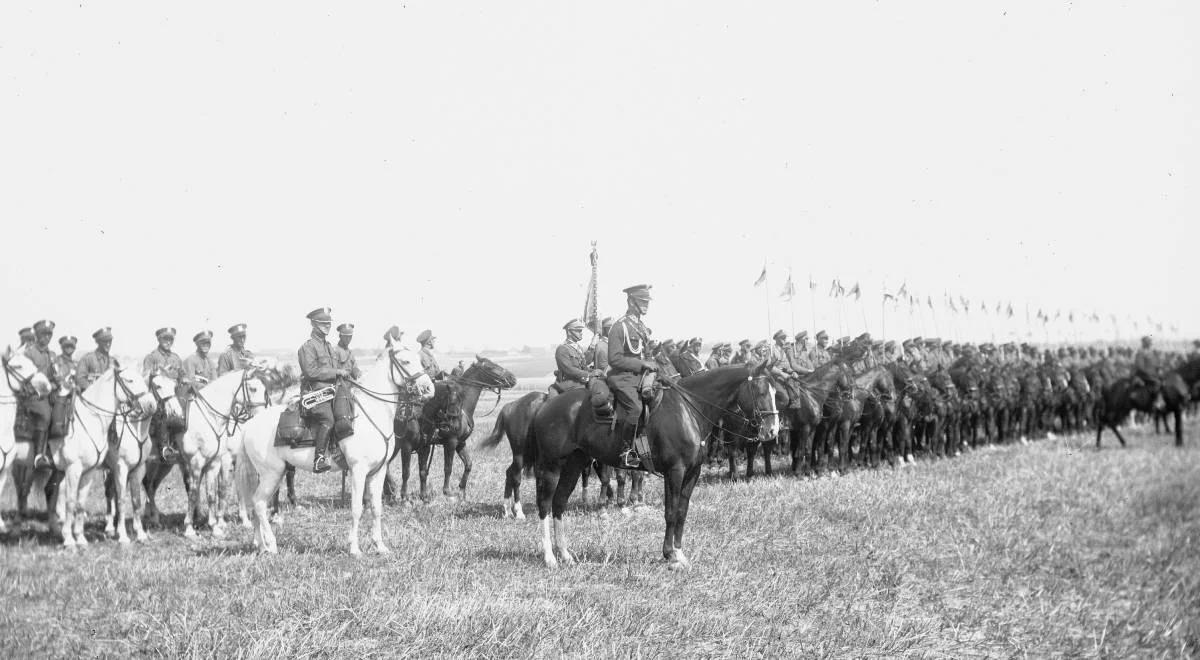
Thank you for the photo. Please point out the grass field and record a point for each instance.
(1046, 550)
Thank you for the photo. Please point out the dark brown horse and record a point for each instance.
(447, 419)
(565, 438)
(808, 396)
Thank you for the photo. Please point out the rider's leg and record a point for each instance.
(322, 421)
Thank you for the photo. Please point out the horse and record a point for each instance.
(847, 411)
(448, 419)
(23, 380)
(514, 421)
(215, 417)
(396, 374)
(565, 438)
(914, 398)
(119, 401)
(744, 424)
(808, 396)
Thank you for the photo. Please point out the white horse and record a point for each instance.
(122, 400)
(22, 378)
(216, 418)
(395, 374)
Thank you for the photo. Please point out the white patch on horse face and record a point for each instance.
(772, 428)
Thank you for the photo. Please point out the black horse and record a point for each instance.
(565, 438)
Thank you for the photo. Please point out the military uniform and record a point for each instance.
(689, 363)
(571, 372)
(714, 358)
(318, 370)
(38, 409)
(233, 359)
(91, 367)
(168, 361)
(199, 370)
(627, 360)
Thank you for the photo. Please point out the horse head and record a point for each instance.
(407, 374)
(22, 375)
(756, 402)
(163, 388)
(490, 374)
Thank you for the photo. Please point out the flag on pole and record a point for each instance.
(929, 301)
(789, 289)
(762, 277)
(812, 284)
(903, 290)
(1010, 310)
(591, 306)
(855, 291)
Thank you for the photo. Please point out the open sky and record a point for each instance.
(446, 165)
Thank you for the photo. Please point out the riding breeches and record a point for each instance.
(624, 388)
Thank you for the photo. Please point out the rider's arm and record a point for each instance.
(311, 367)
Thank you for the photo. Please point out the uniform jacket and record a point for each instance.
(198, 370)
(317, 365)
(689, 364)
(169, 362)
(90, 367)
(64, 366)
(627, 346)
(43, 359)
(430, 365)
(572, 372)
(343, 358)
(712, 362)
(233, 359)
(819, 356)
(600, 355)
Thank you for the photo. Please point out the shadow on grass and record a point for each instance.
(509, 555)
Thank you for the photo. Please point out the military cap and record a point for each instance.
(918, 339)
(698, 341)
(762, 345)
(889, 344)
(822, 335)
(864, 338)
(102, 334)
(933, 341)
(907, 343)
(779, 334)
(877, 344)
(165, 332)
(987, 347)
(238, 330)
(425, 336)
(346, 329)
(745, 343)
(842, 341)
(67, 340)
(639, 291)
(573, 324)
(320, 315)
(947, 344)
(203, 336)
(607, 323)
(803, 334)
(43, 326)
(668, 343)
(392, 334)
(26, 334)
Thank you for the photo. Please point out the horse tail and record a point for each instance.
(530, 453)
(497, 433)
(245, 476)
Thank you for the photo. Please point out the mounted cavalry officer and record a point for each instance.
(318, 370)
(1146, 365)
(164, 433)
(65, 365)
(342, 355)
(199, 369)
(665, 355)
(38, 408)
(743, 355)
(689, 357)
(601, 397)
(571, 372)
(714, 357)
(819, 355)
(92, 365)
(236, 356)
(428, 361)
(628, 362)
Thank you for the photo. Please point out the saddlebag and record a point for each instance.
(291, 430)
(23, 424)
(343, 412)
(60, 416)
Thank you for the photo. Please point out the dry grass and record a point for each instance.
(1049, 550)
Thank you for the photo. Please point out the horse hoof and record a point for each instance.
(355, 552)
(520, 515)
(676, 565)
(383, 549)
(551, 562)
(123, 540)
(218, 532)
(189, 533)
(567, 558)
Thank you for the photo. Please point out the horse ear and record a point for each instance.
(479, 358)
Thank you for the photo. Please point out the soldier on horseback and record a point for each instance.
(38, 408)
(199, 369)
(1146, 366)
(689, 357)
(428, 360)
(628, 362)
(236, 356)
(92, 365)
(318, 370)
(165, 433)
(819, 355)
(342, 355)
(743, 354)
(65, 365)
(572, 372)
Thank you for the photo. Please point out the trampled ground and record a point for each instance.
(1051, 549)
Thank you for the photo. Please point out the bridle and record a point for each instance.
(690, 398)
(490, 387)
(241, 408)
(24, 387)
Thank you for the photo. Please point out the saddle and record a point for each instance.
(23, 425)
(295, 424)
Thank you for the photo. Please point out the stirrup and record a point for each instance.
(630, 459)
(321, 464)
(42, 461)
(168, 454)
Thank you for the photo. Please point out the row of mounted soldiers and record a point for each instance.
(889, 400)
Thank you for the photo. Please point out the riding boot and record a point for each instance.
(629, 458)
(320, 460)
(170, 452)
(41, 449)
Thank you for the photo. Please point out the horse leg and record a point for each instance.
(289, 477)
(844, 446)
(513, 480)
(192, 468)
(751, 453)
(424, 458)
(1099, 430)
(137, 501)
(732, 454)
(358, 483)
(216, 521)
(574, 467)
(547, 484)
(85, 484)
(120, 472)
(682, 502)
(465, 455)
(375, 493)
(672, 493)
(268, 483)
(620, 476)
(405, 462)
(1178, 426)
(155, 473)
(1115, 430)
